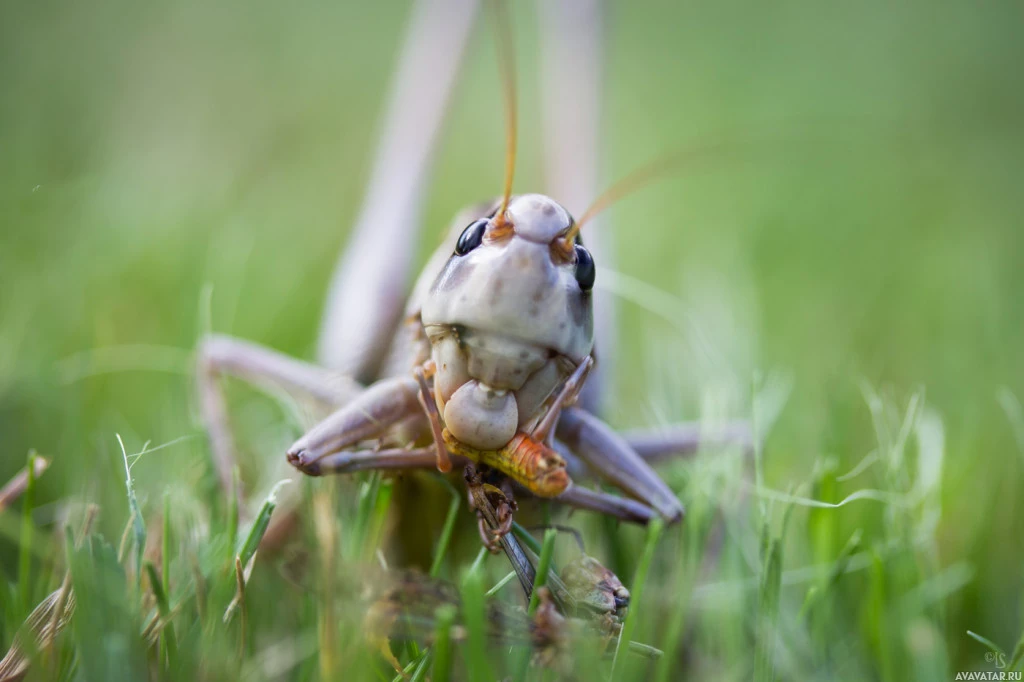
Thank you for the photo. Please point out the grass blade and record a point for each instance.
(995, 648)
(27, 527)
(138, 526)
(168, 641)
(1018, 653)
(768, 611)
(475, 614)
(443, 643)
(526, 537)
(446, 532)
(547, 550)
(236, 485)
(500, 584)
(259, 526)
(626, 634)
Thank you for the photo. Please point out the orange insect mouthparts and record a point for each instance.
(529, 462)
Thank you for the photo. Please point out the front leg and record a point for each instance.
(613, 460)
(370, 416)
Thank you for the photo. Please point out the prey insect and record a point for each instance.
(492, 348)
(407, 610)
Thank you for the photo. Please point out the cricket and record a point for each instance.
(485, 367)
(489, 340)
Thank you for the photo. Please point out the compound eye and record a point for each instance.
(585, 271)
(471, 237)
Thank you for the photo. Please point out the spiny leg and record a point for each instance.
(662, 443)
(570, 390)
(369, 285)
(369, 416)
(613, 460)
(494, 518)
(429, 405)
(513, 550)
(622, 508)
(220, 356)
(389, 459)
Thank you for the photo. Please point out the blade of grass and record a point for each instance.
(526, 537)
(645, 651)
(367, 498)
(27, 527)
(138, 525)
(168, 641)
(259, 526)
(626, 634)
(691, 528)
(414, 663)
(475, 614)
(996, 649)
(839, 567)
(768, 610)
(240, 580)
(547, 551)
(379, 515)
(165, 549)
(236, 485)
(421, 668)
(500, 584)
(443, 643)
(245, 559)
(1018, 653)
(446, 532)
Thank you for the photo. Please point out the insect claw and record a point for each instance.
(301, 461)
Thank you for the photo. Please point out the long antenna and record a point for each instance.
(724, 148)
(641, 177)
(507, 66)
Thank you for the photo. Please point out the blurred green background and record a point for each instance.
(154, 152)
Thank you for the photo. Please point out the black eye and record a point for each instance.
(471, 237)
(585, 272)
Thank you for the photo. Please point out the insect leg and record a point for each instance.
(389, 459)
(517, 556)
(604, 503)
(570, 390)
(571, 69)
(220, 356)
(686, 438)
(368, 416)
(370, 281)
(612, 459)
(427, 402)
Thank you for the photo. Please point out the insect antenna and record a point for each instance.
(805, 133)
(507, 66)
(642, 176)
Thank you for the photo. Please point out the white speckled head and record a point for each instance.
(511, 310)
(537, 218)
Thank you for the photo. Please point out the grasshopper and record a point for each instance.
(488, 359)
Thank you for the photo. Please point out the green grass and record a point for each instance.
(174, 168)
